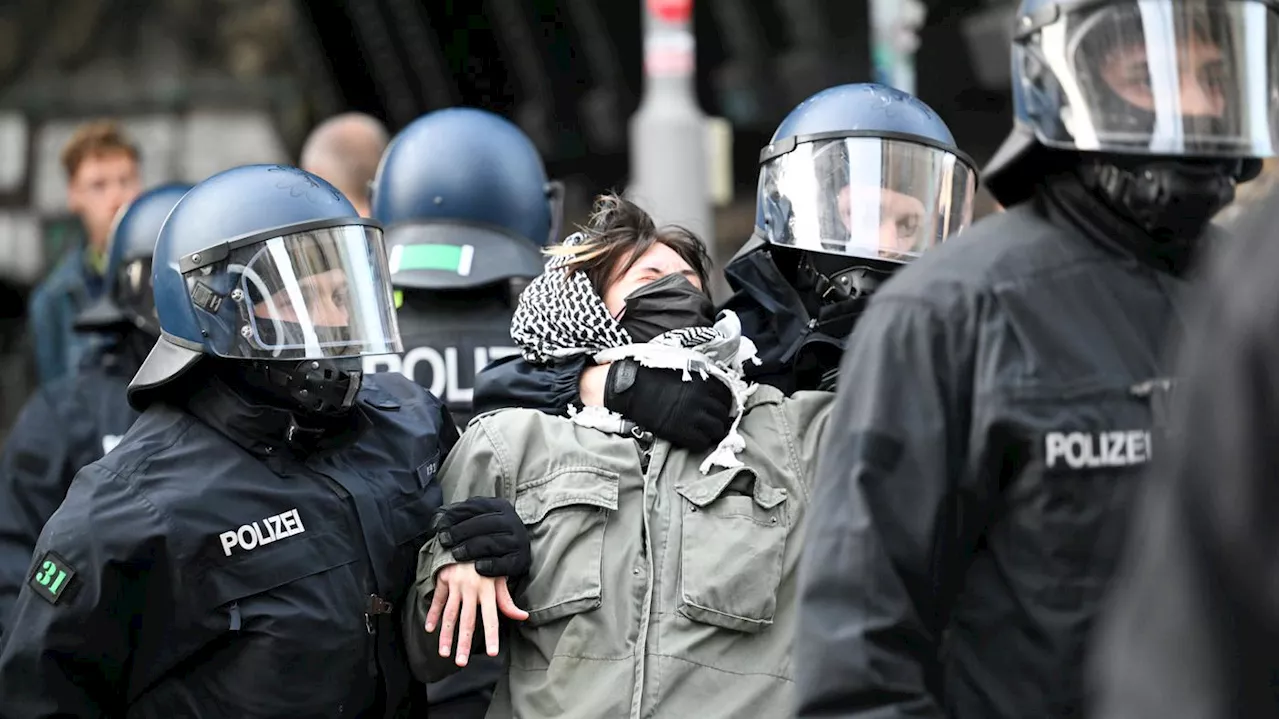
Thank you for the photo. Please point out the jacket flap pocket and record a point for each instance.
(564, 487)
(274, 566)
(703, 490)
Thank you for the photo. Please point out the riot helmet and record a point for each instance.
(127, 299)
(1167, 104)
(466, 202)
(269, 269)
(862, 177)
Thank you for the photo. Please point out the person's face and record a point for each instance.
(658, 262)
(1201, 74)
(900, 218)
(102, 184)
(325, 298)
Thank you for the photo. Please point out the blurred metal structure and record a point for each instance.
(669, 156)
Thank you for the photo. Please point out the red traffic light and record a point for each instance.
(672, 10)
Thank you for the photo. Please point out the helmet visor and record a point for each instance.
(1182, 78)
(132, 294)
(866, 197)
(309, 295)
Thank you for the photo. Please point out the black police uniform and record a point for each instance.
(205, 569)
(63, 427)
(976, 489)
(1192, 627)
(449, 336)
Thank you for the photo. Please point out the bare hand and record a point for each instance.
(591, 385)
(460, 586)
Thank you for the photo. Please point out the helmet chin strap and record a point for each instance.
(837, 285)
(1170, 199)
(326, 387)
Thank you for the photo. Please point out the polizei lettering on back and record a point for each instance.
(261, 532)
(442, 373)
(1094, 450)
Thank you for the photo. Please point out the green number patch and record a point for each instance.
(51, 577)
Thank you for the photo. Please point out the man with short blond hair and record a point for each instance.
(101, 163)
(345, 151)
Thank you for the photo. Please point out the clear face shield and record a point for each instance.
(312, 294)
(869, 197)
(1183, 78)
(132, 293)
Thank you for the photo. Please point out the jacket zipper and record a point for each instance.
(371, 589)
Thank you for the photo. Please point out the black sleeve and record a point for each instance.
(1191, 629)
(36, 467)
(513, 382)
(70, 641)
(884, 517)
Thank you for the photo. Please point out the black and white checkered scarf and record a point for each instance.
(560, 315)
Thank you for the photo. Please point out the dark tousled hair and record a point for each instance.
(618, 233)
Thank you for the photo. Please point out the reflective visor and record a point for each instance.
(1181, 78)
(310, 295)
(866, 197)
(132, 294)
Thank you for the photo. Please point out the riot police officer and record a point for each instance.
(74, 421)
(242, 551)
(467, 207)
(1003, 394)
(857, 181)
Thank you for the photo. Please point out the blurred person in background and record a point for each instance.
(467, 206)
(345, 150)
(857, 181)
(245, 548)
(1191, 630)
(1002, 395)
(72, 422)
(102, 176)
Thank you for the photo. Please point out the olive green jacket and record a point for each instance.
(663, 593)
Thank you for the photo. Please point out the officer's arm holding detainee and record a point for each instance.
(101, 557)
(473, 470)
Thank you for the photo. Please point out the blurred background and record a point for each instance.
(203, 85)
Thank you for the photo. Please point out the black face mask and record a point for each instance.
(671, 303)
(326, 387)
(1169, 199)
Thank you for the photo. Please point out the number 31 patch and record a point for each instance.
(51, 577)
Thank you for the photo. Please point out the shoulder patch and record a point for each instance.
(51, 577)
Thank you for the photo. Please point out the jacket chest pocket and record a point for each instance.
(733, 536)
(566, 513)
(1068, 510)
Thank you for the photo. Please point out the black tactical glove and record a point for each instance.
(487, 531)
(694, 415)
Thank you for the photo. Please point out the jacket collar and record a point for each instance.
(266, 430)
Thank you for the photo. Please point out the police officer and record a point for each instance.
(243, 549)
(467, 207)
(1003, 394)
(74, 421)
(856, 181)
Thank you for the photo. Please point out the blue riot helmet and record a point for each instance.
(466, 202)
(270, 267)
(862, 176)
(127, 299)
(1176, 97)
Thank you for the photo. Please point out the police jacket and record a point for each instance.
(449, 336)
(1191, 627)
(64, 426)
(998, 404)
(798, 341)
(210, 567)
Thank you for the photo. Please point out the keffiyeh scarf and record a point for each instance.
(559, 315)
